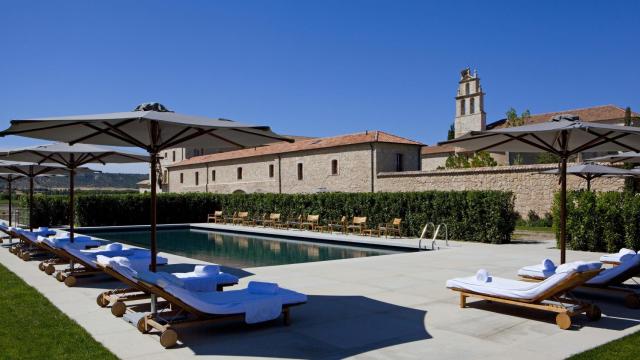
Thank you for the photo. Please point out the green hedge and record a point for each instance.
(601, 221)
(483, 216)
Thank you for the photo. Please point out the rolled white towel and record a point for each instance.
(207, 269)
(625, 251)
(42, 229)
(114, 247)
(578, 266)
(548, 265)
(165, 279)
(258, 287)
(483, 276)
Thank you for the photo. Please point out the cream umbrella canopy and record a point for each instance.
(31, 171)
(72, 157)
(150, 127)
(563, 136)
(589, 171)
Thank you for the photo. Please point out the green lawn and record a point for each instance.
(32, 328)
(626, 348)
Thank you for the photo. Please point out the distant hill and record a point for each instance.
(86, 181)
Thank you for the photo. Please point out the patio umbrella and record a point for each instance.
(31, 171)
(563, 136)
(628, 156)
(72, 157)
(10, 178)
(590, 171)
(151, 127)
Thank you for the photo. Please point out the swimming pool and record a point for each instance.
(236, 250)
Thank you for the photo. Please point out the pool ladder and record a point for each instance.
(436, 231)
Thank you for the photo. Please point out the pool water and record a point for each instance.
(235, 250)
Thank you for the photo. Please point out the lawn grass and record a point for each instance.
(535, 228)
(627, 347)
(33, 328)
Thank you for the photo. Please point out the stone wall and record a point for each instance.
(533, 191)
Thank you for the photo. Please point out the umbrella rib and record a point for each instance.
(594, 142)
(18, 132)
(227, 140)
(123, 134)
(178, 134)
(466, 139)
(263, 135)
(98, 132)
(200, 132)
(535, 136)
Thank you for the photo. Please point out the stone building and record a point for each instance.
(347, 163)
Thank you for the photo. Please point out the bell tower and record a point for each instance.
(470, 115)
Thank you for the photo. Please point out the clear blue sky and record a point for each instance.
(315, 68)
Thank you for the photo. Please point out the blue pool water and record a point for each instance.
(237, 250)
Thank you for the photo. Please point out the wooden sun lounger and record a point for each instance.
(135, 290)
(180, 315)
(614, 286)
(555, 299)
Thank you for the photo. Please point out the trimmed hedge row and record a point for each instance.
(602, 221)
(482, 216)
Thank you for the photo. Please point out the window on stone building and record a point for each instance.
(197, 177)
(213, 175)
(334, 167)
(181, 178)
(399, 159)
(462, 107)
(466, 88)
(166, 154)
(165, 177)
(173, 155)
(239, 173)
(271, 170)
(472, 105)
(299, 171)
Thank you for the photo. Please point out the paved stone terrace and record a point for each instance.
(393, 306)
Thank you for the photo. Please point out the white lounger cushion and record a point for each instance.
(607, 275)
(256, 307)
(615, 257)
(80, 242)
(516, 289)
(90, 256)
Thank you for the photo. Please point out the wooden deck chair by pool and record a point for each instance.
(134, 289)
(259, 302)
(273, 220)
(340, 226)
(29, 246)
(240, 217)
(611, 280)
(229, 219)
(292, 223)
(217, 217)
(550, 295)
(358, 224)
(311, 222)
(393, 228)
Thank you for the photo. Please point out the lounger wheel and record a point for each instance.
(60, 276)
(49, 269)
(13, 249)
(25, 256)
(563, 320)
(594, 313)
(102, 301)
(632, 301)
(41, 266)
(118, 309)
(168, 338)
(70, 281)
(142, 325)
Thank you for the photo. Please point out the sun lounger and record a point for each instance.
(28, 245)
(549, 294)
(207, 277)
(614, 259)
(611, 280)
(259, 302)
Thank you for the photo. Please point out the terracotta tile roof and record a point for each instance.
(594, 113)
(437, 149)
(301, 145)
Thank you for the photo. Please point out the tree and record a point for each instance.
(452, 132)
(462, 161)
(547, 158)
(514, 120)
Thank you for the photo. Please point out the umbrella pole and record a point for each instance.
(563, 209)
(30, 203)
(588, 184)
(10, 195)
(154, 250)
(72, 175)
